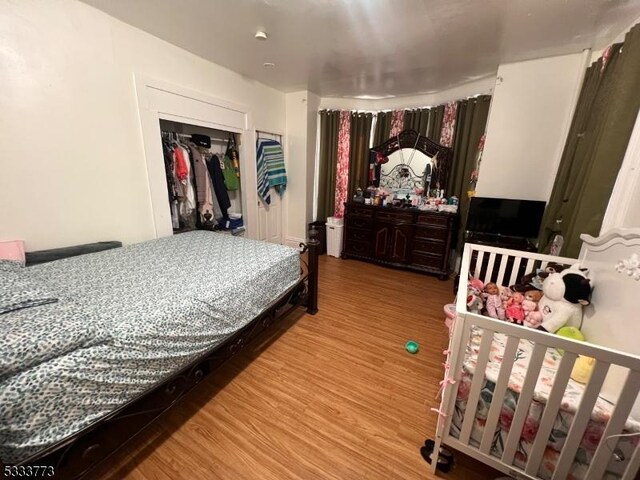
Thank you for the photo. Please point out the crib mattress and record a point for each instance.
(573, 393)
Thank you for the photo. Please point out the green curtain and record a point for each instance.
(329, 126)
(471, 121)
(360, 135)
(598, 138)
(383, 128)
(435, 123)
(418, 120)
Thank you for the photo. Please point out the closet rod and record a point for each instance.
(258, 132)
(187, 136)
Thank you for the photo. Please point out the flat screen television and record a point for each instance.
(504, 216)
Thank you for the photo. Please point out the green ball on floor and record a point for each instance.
(412, 347)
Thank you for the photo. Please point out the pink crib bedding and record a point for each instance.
(570, 402)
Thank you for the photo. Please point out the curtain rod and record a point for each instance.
(470, 97)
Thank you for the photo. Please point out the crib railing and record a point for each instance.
(499, 264)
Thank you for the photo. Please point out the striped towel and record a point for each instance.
(271, 169)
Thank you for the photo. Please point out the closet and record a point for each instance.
(204, 186)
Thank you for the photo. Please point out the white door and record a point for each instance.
(270, 219)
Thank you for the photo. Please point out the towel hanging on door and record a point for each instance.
(271, 168)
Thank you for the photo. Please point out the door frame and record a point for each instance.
(158, 100)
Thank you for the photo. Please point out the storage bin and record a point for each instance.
(334, 226)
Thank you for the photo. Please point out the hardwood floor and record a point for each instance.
(331, 396)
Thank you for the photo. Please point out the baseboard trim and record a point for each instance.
(294, 241)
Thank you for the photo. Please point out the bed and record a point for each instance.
(125, 333)
(508, 399)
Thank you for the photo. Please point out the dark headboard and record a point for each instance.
(43, 256)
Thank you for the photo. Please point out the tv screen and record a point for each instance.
(504, 216)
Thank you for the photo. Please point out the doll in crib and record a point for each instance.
(493, 301)
(514, 311)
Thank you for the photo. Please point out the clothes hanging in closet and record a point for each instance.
(203, 186)
(217, 180)
(271, 168)
(230, 163)
(167, 153)
(186, 191)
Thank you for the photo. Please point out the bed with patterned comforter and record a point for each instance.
(119, 322)
(571, 400)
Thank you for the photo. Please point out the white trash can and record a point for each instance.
(335, 226)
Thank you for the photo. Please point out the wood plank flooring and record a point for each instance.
(331, 396)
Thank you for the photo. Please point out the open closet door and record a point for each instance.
(270, 216)
(270, 219)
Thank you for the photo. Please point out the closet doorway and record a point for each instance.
(207, 194)
(270, 216)
(159, 100)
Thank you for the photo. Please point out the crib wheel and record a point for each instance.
(445, 459)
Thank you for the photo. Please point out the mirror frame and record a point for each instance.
(411, 138)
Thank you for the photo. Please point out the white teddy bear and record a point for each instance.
(564, 295)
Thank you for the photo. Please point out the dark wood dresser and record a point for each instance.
(399, 237)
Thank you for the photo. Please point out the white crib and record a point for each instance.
(615, 377)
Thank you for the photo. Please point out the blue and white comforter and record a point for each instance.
(124, 321)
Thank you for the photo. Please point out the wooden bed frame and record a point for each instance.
(79, 454)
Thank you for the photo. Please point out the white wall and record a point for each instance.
(72, 161)
(531, 111)
(313, 105)
(300, 157)
(296, 162)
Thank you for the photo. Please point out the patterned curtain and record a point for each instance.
(448, 124)
(397, 123)
(342, 171)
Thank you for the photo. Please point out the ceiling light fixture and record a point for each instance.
(260, 35)
(268, 64)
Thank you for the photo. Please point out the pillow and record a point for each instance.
(19, 291)
(13, 250)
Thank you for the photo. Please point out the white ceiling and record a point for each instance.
(377, 48)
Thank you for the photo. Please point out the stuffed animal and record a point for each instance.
(535, 279)
(564, 295)
(532, 317)
(582, 369)
(474, 296)
(492, 301)
(514, 311)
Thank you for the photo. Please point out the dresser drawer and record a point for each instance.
(358, 235)
(427, 260)
(404, 217)
(357, 247)
(428, 246)
(359, 211)
(431, 233)
(358, 222)
(437, 220)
